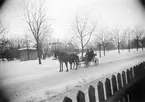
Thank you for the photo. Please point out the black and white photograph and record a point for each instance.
(72, 50)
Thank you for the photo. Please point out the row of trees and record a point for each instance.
(104, 38)
(85, 30)
(9, 47)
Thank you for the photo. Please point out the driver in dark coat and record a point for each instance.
(91, 55)
(87, 54)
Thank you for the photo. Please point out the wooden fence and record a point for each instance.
(113, 88)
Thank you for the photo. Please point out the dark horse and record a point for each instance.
(64, 57)
(74, 59)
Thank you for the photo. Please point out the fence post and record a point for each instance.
(101, 94)
(135, 71)
(108, 88)
(91, 92)
(80, 97)
(114, 84)
(131, 74)
(128, 75)
(119, 81)
(124, 78)
(66, 99)
(126, 98)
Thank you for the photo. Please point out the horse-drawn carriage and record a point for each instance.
(86, 62)
(73, 59)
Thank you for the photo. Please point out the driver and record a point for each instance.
(87, 54)
(91, 55)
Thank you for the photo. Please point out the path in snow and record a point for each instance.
(28, 79)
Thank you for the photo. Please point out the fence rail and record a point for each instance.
(114, 88)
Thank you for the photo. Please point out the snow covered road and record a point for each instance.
(24, 80)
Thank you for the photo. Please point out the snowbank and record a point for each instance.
(30, 81)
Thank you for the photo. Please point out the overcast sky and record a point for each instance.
(108, 13)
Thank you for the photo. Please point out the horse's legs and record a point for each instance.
(70, 65)
(66, 66)
(74, 65)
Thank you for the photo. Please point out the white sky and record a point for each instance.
(108, 13)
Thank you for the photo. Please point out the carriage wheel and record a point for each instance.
(96, 61)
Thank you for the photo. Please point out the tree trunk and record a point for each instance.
(104, 49)
(142, 44)
(38, 52)
(118, 48)
(100, 50)
(137, 43)
(82, 51)
(129, 45)
(123, 47)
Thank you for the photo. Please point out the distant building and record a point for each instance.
(57, 46)
(28, 54)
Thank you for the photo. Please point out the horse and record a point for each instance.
(73, 59)
(63, 57)
(67, 58)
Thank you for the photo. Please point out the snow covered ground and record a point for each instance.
(29, 81)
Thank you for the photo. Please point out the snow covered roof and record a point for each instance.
(26, 49)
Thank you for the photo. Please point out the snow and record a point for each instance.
(33, 82)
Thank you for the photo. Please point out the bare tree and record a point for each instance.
(74, 42)
(123, 39)
(20, 42)
(128, 35)
(103, 39)
(90, 45)
(139, 34)
(83, 31)
(2, 31)
(143, 39)
(97, 46)
(3, 41)
(45, 41)
(116, 38)
(37, 21)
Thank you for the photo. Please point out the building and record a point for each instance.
(28, 54)
(57, 46)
